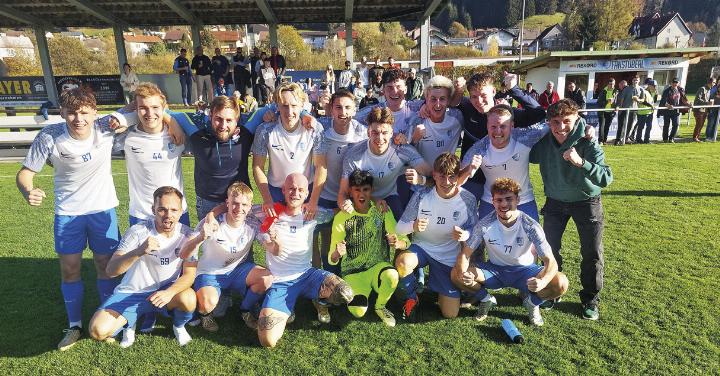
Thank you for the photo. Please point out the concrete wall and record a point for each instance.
(540, 76)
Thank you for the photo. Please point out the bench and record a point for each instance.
(16, 144)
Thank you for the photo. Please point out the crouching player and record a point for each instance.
(156, 278)
(508, 235)
(226, 262)
(359, 239)
(439, 218)
(288, 242)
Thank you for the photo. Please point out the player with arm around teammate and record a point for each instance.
(225, 263)
(508, 235)
(439, 218)
(365, 241)
(384, 160)
(288, 243)
(79, 150)
(156, 277)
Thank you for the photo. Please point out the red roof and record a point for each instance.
(142, 39)
(175, 35)
(341, 34)
(227, 36)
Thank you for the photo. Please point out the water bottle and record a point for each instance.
(512, 331)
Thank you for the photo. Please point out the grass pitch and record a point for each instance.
(659, 310)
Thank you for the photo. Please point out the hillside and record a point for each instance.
(541, 21)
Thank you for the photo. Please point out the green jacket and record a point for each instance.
(563, 181)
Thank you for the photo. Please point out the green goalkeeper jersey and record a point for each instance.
(364, 236)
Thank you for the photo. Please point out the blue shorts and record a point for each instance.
(396, 206)
(500, 276)
(235, 280)
(277, 194)
(439, 280)
(529, 208)
(184, 219)
(99, 230)
(282, 296)
(132, 305)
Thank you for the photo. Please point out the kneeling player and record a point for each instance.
(439, 218)
(149, 255)
(289, 252)
(359, 240)
(508, 234)
(226, 262)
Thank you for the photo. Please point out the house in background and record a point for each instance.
(504, 38)
(12, 44)
(553, 38)
(175, 36)
(315, 39)
(661, 31)
(229, 41)
(140, 44)
(94, 44)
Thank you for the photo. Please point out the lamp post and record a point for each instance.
(522, 30)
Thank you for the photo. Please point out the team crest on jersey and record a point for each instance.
(171, 147)
(449, 132)
(520, 241)
(516, 157)
(177, 252)
(301, 145)
(391, 165)
(456, 215)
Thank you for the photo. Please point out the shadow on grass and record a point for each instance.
(661, 193)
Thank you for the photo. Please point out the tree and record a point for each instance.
(457, 30)
(208, 41)
(493, 48)
(513, 12)
(546, 7)
(614, 17)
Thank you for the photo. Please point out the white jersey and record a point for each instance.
(334, 146)
(402, 117)
(152, 161)
(295, 236)
(287, 152)
(512, 161)
(228, 247)
(443, 214)
(384, 168)
(152, 271)
(510, 246)
(82, 174)
(439, 137)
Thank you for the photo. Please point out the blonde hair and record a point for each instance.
(239, 188)
(440, 82)
(292, 88)
(149, 89)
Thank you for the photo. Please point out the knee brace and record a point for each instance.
(335, 291)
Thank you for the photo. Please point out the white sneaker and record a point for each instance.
(386, 316)
(182, 335)
(128, 338)
(533, 312)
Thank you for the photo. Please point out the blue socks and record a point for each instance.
(407, 286)
(180, 317)
(73, 295)
(249, 300)
(105, 288)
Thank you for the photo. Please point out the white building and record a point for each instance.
(661, 31)
(12, 45)
(140, 44)
(315, 39)
(504, 39)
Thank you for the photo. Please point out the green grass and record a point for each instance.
(659, 312)
(541, 21)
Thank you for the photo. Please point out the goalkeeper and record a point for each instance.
(365, 241)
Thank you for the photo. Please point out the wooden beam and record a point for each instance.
(182, 11)
(267, 11)
(98, 12)
(20, 16)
